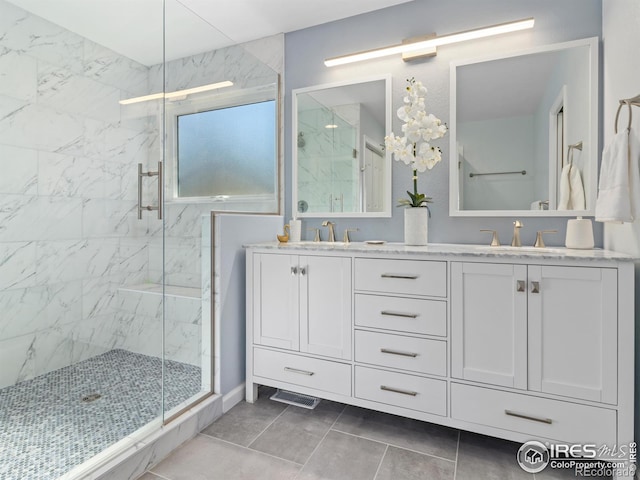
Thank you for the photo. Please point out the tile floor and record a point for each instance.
(270, 440)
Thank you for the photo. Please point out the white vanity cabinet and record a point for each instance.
(514, 344)
(303, 303)
(488, 323)
(542, 328)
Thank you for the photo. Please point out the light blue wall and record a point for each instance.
(305, 51)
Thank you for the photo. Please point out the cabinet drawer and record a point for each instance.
(308, 372)
(412, 315)
(407, 391)
(409, 277)
(420, 355)
(534, 416)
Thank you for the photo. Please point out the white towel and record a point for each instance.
(571, 189)
(619, 184)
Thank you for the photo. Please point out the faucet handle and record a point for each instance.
(539, 241)
(495, 242)
(316, 237)
(346, 238)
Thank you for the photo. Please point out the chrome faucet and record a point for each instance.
(332, 236)
(515, 241)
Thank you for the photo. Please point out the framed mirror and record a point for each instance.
(524, 132)
(340, 167)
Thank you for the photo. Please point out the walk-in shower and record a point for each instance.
(105, 315)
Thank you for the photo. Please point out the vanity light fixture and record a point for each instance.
(426, 46)
(177, 95)
(331, 125)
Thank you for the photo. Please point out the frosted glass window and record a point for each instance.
(230, 151)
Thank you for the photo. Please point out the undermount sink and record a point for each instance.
(319, 244)
(509, 248)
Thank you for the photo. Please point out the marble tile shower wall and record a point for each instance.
(69, 235)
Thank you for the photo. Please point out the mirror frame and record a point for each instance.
(592, 159)
(386, 210)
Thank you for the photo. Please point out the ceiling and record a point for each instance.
(133, 28)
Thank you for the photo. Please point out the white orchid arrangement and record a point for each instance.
(414, 147)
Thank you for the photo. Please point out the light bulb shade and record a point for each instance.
(432, 42)
(179, 94)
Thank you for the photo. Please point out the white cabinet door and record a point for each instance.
(489, 323)
(325, 306)
(275, 301)
(573, 321)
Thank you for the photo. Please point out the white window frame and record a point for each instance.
(207, 103)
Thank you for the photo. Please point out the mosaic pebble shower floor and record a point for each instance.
(46, 428)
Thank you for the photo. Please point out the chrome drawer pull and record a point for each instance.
(399, 314)
(295, 370)
(528, 417)
(399, 275)
(397, 352)
(520, 286)
(398, 390)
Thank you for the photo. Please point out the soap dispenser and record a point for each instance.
(579, 233)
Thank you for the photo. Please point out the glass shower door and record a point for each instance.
(81, 304)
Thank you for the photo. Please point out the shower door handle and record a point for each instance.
(140, 191)
(160, 182)
(141, 207)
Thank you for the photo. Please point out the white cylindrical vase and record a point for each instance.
(416, 225)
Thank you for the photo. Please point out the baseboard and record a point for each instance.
(233, 398)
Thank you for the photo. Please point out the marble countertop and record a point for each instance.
(443, 249)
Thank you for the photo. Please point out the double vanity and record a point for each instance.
(516, 343)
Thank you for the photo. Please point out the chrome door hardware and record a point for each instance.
(398, 390)
(150, 208)
(399, 314)
(528, 417)
(301, 372)
(298, 270)
(520, 285)
(535, 287)
(398, 352)
(399, 275)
